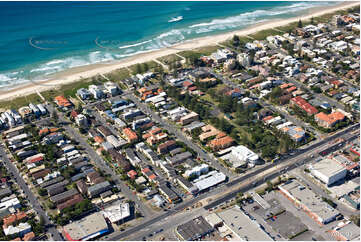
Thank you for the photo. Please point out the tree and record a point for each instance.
(55, 116)
(138, 69)
(300, 24)
(235, 40)
(355, 219)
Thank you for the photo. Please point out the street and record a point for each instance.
(30, 196)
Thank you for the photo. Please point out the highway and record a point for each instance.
(253, 179)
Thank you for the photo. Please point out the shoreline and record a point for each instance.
(56, 80)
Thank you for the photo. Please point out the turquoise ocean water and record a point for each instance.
(40, 38)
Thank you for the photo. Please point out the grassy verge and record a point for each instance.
(118, 75)
(143, 67)
(206, 50)
(261, 35)
(20, 101)
(169, 59)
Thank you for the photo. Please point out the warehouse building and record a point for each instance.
(194, 229)
(328, 171)
(307, 200)
(87, 228)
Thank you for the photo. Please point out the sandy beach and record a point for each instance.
(75, 74)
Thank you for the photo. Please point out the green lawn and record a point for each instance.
(169, 59)
(261, 35)
(20, 101)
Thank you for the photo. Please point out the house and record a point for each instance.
(96, 91)
(130, 135)
(329, 120)
(304, 105)
(179, 158)
(82, 187)
(169, 194)
(62, 102)
(189, 118)
(21, 229)
(83, 93)
(166, 147)
(111, 88)
(132, 157)
(96, 189)
(81, 120)
(148, 174)
(221, 143)
(94, 178)
(104, 131)
(71, 202)
(62, 197)
(188, 186)
(159, 137)
(132, 174)
(208, 132)
(119, 160)
(13, 218)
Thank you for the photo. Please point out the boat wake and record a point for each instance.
(175, 19)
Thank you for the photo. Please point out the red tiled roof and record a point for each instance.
(29, 236)
(193, 88)
(330, 118)
(74, 114)
(74, 200)
(187, 84)
(131, 135)
(303, 104)
(62, 101)
(13, 218)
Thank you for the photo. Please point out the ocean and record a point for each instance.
(41, 38)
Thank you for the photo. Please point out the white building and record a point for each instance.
(96, 91)
(209, 180)
(197, 170)
(117, 212)
(111, 88)
(240, 155)
(21, 229)
(328, 171)
(81, 120)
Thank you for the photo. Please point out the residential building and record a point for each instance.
(189, 118)
(130, 135)
(329, 120)
(304, 105)
(166, 147)
(96, 91)
(96, 189)
(83, 93)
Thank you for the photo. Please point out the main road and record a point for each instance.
(251, 180)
